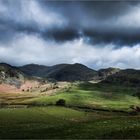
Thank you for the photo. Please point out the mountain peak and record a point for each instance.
(5, 64)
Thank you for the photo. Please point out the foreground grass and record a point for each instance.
(61, 122)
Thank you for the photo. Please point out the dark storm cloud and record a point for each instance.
(97, 34)
(100, 21)
(106, 9)
(61, 35)
(27, 16)
(117, 37)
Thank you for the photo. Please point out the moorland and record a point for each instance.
(69, 101)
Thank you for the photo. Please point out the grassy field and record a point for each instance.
(90, 111)
(61, 122)
(90, 96)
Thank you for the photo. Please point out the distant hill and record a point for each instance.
(34, 70)
(128, 77)
(61, 72)
(72, 72)
(69, 72)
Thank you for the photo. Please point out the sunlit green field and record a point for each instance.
(92, 97)
(90, 111)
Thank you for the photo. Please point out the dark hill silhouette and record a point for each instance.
(61, 72)
(72, 72)
(34, 70)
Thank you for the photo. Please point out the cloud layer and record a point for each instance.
(33, 49)
(97, 34)
(29, 13)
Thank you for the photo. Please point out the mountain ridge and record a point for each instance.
(61, 72)
(72, 72)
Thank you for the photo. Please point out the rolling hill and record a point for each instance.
(72, 72)
(34, 70)
(69, 72)
(61, 72)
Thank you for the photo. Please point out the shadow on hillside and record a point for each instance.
(103, 87)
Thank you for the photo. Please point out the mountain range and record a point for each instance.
(61, 72)
(68, 72)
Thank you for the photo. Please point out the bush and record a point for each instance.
(133, 113)
(135, 108)
(61, 102)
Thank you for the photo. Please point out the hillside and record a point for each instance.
(34, 70)
(13, 80)
(104, 73)
(128, 77)
(11, 75)
(72, 72)
(69, 72)
(61, 72)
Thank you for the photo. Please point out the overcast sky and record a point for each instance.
(98, 34)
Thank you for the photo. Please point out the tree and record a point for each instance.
(61, 102)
